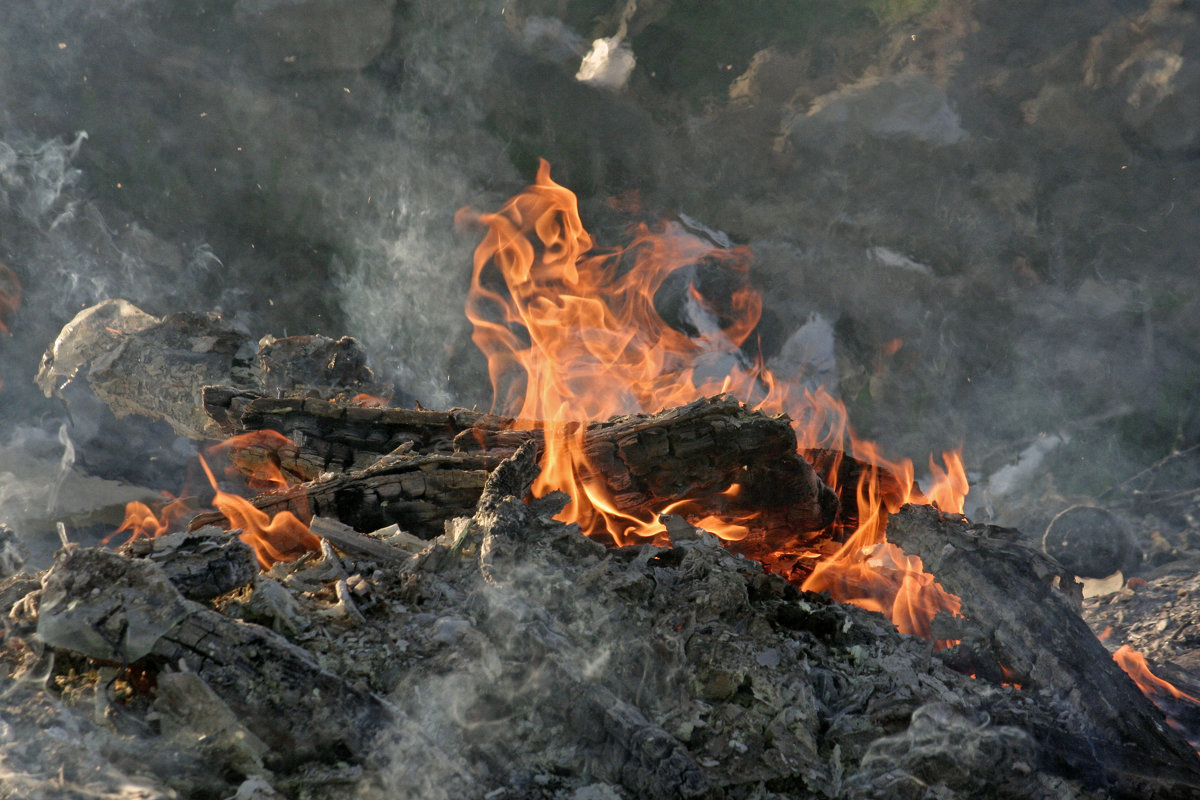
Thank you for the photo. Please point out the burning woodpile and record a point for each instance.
(653, 571)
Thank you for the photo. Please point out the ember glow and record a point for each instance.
(572, 335)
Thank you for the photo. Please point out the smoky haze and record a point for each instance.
(987, 208)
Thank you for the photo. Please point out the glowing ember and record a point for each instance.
(364, 400)
(282, 537)
(572, 335)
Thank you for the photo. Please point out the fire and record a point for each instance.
(258, 455)
(1135, 666)
(364, 400)
(573, 334)
(282, 537)
(142, 522)
(10, 296)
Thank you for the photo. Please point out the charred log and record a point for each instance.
(203, 564)
(1017, 613)
(338, 437)
(693, 452)
(420, 493)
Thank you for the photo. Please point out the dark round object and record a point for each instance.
(1088, 541)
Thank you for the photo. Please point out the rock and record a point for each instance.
(315, 36)
(907, 105)
(1090, 542)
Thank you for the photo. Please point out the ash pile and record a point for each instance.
(509, 657)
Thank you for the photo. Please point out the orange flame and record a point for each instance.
(257, 456)
(282, 537)
(1135, 666)
(572, 335)
(364, 400)
(142, 522)
(10, 296)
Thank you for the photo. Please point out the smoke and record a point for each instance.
(302, 195)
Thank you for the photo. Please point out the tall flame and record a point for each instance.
(572, 335)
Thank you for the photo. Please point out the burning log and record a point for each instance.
(693, 453)
(420, 493)
(117, 609)
(1019, 619)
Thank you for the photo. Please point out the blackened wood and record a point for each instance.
(692, 452)
(1012, 601)
(202, 564)
(278, 690)
(697, 451)
(339, 437)
(113, 608)
(419, 493)
(843, 472)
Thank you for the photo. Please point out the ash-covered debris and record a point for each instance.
(521, 659)
(1157, 614)
(530, 661)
